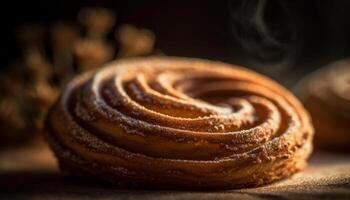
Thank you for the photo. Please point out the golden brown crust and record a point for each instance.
(326, 94)
(179, 123)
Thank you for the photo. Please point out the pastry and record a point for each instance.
(179, 123)
(326, 94)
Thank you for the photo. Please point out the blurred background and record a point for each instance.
(45, 43)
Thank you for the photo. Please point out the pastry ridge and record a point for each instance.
(179, 123)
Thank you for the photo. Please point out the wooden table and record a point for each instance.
(31, 173)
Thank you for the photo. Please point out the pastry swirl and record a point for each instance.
(179, 123)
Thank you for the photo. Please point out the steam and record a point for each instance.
(266, 32)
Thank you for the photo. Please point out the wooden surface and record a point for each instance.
(32, 173)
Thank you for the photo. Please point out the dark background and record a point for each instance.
(283, 39)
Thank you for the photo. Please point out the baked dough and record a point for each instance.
(179, 123)
(326, 94)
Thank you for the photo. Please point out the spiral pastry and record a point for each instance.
(326, 94)
(179, 123)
